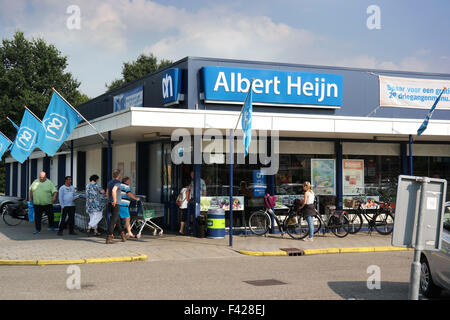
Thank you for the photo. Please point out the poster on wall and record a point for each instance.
(323, 176)
(221, 202)
(353, 176)
(132, 98)
(413, 92)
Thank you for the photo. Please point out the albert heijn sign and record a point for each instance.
(272, 87)
(171, 86)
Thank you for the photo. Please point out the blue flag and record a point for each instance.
(247, 120)
(30, 131)
(430, 113)
(59, 121)
(4, 144)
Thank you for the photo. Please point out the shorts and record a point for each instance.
(124, 212)
(183, 215)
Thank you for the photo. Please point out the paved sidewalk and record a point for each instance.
(19, 243)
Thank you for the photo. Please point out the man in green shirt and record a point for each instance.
(43, 193)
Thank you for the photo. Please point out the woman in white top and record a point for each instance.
(308, 209)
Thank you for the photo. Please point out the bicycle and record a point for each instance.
(260, 222)
(382, 221)
(14, 214)
(336, 222)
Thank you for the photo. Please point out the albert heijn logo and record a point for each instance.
(171, 86)
(55, 126)
(26, 138)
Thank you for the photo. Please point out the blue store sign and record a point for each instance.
(171, 86)
(272, 87)
(132, 98)
(259, 183)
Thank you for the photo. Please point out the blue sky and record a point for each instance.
(413, 34)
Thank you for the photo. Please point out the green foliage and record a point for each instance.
(29, 69)
(137, 69)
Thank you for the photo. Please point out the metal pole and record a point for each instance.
(71, 159)
(410, 155)
(414, 283)
(231, 186)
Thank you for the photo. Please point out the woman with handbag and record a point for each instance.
(308, 209)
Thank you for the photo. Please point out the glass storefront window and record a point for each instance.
(434, 167)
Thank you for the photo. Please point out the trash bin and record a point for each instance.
(201, 226)
(216, 223)
(57, 212)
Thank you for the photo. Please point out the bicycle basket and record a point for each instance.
(337, 217)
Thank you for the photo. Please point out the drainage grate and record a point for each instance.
(293, 251)
(263, 283)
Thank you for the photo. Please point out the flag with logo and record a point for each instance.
(14, 125)
(4, 144)
(29, 132)
(59, 121)
(247, 120)
(430, 113)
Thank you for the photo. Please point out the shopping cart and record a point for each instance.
(141, 216)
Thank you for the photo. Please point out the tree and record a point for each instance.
(137, 69)
(28, 71)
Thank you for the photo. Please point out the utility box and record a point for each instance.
(419, 212)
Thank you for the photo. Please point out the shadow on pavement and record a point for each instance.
(358, 290)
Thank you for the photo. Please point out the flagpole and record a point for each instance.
(232, 163)
(79, 114)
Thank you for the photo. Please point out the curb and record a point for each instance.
(141, 257)
(326, 251)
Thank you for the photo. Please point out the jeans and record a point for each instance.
(67, 211)
(38, 211)
(115, 219)
(310, 220)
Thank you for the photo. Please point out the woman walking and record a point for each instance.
(308, 209)
(94, 205)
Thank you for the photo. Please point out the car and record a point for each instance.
(435, 265)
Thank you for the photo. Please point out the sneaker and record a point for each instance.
(52, 229)
(308, 239)
(36, 231)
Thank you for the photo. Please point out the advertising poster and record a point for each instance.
(353, 176)
(323, 176)
(221, 202)
(259, 183)
(413, 93)
(132, 98)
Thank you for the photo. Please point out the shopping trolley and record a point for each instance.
(141, 216)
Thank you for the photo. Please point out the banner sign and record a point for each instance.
(259, 183)
(171, 86)
(221, 202)
(413, 93)
(272, 87)
(323, 176)
(353, 176)
(132, 98)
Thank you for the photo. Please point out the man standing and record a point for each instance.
(43, 193)
(114, 196)
(66, 197)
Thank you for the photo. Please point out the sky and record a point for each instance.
(98, 36)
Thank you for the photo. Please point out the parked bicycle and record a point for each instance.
(382, 220)
(14, 214)
(296, 226)
(260, 223)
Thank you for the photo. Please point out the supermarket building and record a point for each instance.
(344, 129)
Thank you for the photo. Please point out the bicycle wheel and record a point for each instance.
(295, 226)
(8, 218)
(340, 228)
(259, 223)
(384, 223)
(355, 222)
